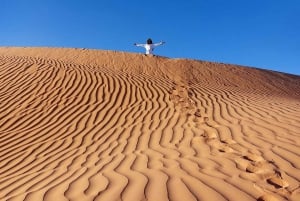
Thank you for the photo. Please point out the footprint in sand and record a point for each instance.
(226, 145)
(261, 168)
(226, 149)
(198, 113)
(278, 182)
(209, 136)
(266, 171)
(267, 198)
(253, 157)
(258, 165)
(229, 141)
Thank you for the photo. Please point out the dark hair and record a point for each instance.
(149, 41)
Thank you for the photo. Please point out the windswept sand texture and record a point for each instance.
(79, 124)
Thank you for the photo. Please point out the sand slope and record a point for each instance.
(79, 124)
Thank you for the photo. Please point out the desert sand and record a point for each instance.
(80, 124)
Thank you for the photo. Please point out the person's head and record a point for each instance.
(149, 41)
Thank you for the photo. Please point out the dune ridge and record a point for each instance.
(80, 124)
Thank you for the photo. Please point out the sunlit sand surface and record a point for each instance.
(79, 124)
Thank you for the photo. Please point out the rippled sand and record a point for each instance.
(79, 124)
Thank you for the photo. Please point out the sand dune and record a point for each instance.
(78, 124)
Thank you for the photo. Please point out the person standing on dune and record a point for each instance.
(149, 46)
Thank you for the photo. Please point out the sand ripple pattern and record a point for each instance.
(71, 131)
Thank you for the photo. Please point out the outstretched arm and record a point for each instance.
(160, 43)
(139, 45)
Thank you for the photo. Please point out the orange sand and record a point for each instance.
(78, 124)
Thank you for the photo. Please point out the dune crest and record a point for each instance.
(79, 124)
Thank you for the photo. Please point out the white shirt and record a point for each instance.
(149, 47)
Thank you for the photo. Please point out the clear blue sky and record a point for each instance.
(257, 33)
